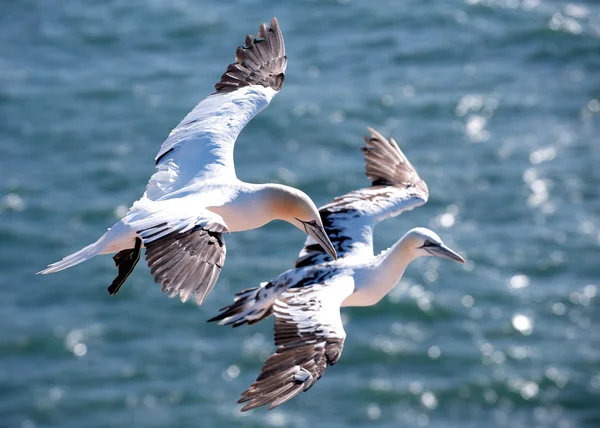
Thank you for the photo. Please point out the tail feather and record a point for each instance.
(249, 307)
(115, 239)
(71, 260)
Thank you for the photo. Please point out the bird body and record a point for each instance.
(372, 278)
(195, 197)
(241, 206)
(306, 300)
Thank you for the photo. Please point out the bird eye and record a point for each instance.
(427, 243)
(310, 223)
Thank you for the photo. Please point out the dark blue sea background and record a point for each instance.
(495, 102)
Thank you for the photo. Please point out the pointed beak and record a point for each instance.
(317, 233)
(445, 252)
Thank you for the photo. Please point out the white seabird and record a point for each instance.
(195, 196)
(306, 300)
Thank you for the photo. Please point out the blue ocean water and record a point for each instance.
(496, 103)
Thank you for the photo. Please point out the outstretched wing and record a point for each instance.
(349, 219)
(187, 263)
(201, 146)
(185, 253)
(309, 335)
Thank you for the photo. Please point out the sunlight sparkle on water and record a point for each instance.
(522, 324)
(14, 202)
(560, 22)
(577, 10)
(467, 301)
(434, 352)
(475, 129)
(529, 390)
(544, 154)
(276, 419)
(373, 411)
(232, 372)
(429, 400)
(559, 308)
(447, 220)
(80, 350)
(519, 281)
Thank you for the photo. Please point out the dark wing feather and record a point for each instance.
(187, 263)
(262, 61)
(255, 304)
(310, 337)
(349, 219)
(184, 249)
(125, 260)
(201, 145)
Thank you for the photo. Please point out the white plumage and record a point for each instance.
(195, 196)
(200, 148)
(306, 300)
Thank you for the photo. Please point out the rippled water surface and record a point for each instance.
(497, 104)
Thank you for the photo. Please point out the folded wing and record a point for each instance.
(349, 219)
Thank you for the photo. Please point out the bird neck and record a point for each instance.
(393, 262)
(256, 205)
(382, 275)
(283, 202)
(276, 198)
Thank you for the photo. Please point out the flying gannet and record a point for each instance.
(306, 300)
(195, 196)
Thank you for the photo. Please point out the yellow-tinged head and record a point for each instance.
(296, 207)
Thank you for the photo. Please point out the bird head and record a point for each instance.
(296, 207)
(424, 242)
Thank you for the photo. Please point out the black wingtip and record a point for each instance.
(261, 61)
(387, 165)
(274, 24)
(216, 318)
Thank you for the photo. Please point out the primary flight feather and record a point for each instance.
(195, 197)
(306, 300)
